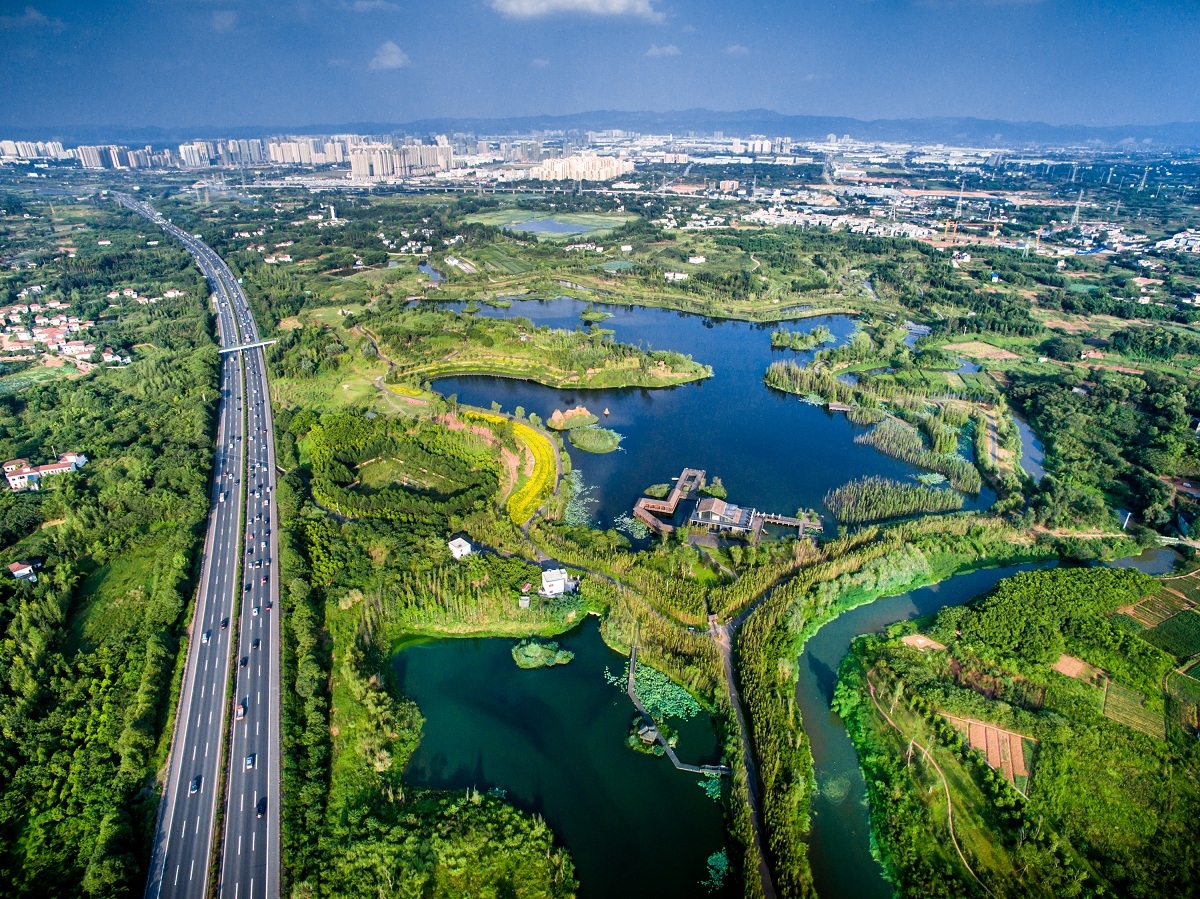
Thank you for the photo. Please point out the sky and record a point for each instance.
(173, 63)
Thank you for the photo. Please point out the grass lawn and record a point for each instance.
(351, 385)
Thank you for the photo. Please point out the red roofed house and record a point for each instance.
(22, 570)
(21, 476)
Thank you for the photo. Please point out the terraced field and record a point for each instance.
(1158, 607)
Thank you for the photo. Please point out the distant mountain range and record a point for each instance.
(961, 131)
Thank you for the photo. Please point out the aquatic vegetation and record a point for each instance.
(718, 870)
(661, 696)
(875, 498)
(901, 441)
(578, 511)
(530, 654)
(634, 527)
(658, 491)
(595, 440)
(711, 787)
(801, 340)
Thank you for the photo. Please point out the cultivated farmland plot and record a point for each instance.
(1178, 635)
(1158, 607)
(1128, 707)
(1004, 750)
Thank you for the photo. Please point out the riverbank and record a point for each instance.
(1053, 765)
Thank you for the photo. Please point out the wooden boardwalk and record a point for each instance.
(647, 509)
(760, 519)
(631, 689)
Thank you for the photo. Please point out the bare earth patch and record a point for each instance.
(920, 641)
(1077, 669)
(977, 349)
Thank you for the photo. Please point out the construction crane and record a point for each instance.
(957, 210)
(1075, 214)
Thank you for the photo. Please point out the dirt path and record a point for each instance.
(945, 788)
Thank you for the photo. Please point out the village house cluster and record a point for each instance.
(26, 325)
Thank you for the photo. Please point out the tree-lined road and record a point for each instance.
(235, 631)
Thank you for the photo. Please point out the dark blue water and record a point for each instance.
(773, 451)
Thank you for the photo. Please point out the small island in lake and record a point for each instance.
(579, 417)
(534, 654)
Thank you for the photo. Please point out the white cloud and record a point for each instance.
(30, 18)
(389, 56)
(737, 50)
(532, 9)
(539, 63)
(664, 50)
(374, 5)
(223, 20)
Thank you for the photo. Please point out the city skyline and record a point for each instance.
(232, 64)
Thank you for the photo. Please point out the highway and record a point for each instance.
(235, 632)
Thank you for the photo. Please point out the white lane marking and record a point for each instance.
(194, 748)
(252, 835)
(206, 749)
(176, 874)
(192, 870)
(197, 824)
(239, 852)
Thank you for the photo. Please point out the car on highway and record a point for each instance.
(255, 644)
(195, 785)
(241, 710)
(206, 636)
(261, 808)
(250, 761)
(255, 611)
(224, 623)
(264, 579)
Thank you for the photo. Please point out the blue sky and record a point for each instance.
(290, 62)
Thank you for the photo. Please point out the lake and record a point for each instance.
(554, 740)
(550, 226)
(773, 451)
(840, 842)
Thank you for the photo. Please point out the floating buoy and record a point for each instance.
(606, 411)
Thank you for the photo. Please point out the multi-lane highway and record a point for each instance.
(212, 801)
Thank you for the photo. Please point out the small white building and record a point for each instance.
(696, 260)
(459, 548)
(22, 571)
(554, 582)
